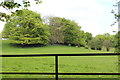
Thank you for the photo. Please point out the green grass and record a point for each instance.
(50, 49)
(80, 64)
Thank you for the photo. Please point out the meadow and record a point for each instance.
(82, 64)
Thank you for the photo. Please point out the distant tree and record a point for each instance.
(72, 32)
(27, 29)
(107, 41)
(101, 41)
(92, 44)
(57, 28)
(73, 35)
(95, 44)
(82, 38)
(107, 44)
(88, 37)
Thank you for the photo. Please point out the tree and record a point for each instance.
(88, 37)
(65, 31)
(101, 41)
(82, 39)
(57, 28)
(107, 43)
(27, 29)
(95, 43)
(92, 44)
(72, 34)
(9, 5)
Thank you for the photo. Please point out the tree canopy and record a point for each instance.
(27, 28)
(65, 31)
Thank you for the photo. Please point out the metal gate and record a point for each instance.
(57, 63)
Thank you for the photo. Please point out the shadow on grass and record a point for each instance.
(26, 45)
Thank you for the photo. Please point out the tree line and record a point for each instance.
(25, 29)
(29, 28)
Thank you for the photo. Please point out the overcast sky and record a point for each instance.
(93, 16)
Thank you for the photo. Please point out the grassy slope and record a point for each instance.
(8, 49)
(46, 64)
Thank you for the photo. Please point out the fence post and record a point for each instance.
(56, 67)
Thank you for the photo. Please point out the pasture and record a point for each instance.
(82, 64)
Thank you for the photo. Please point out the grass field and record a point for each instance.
(82, 64)
(50, 49)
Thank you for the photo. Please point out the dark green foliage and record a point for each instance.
(26, 29)
(101, 41)
(92, 44)
(26, 3)
(10, 4)
(88, 37)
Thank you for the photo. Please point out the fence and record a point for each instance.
(57, 65)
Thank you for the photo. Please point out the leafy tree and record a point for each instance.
(107, 43)
(12, 7)
(72, 33)
(95, 43)
(27, 29)
(101, 41)
(92, 43)
(88, 37)
(82, 38)
(57, 28)
(64, 31)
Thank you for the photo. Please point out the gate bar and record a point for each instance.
(56, 66)
(86, 54)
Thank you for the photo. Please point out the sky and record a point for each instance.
(93, 16)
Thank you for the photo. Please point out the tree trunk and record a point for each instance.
(107, 49)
